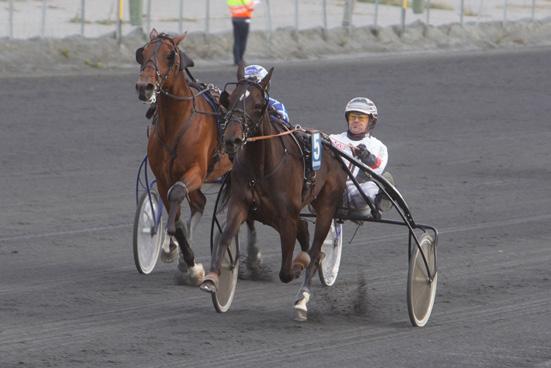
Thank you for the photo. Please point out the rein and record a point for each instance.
(161, 79)
(159, 89)
(264, 137)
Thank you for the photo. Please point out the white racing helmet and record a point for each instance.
(363, 105)
(255, 73)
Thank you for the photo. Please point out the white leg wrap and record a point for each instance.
(301, 303)
(168, 255)
(300, 307)
(197, 273)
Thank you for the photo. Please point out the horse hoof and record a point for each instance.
(301, 309)
(208, 286)
(300, 315)
(197, 274)
(171, 255)
(192, 276)
(210, 283)
(254, 270)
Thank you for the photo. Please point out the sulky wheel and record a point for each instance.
(421, 291)
(148, 238)
(227, 281)
(331, 255)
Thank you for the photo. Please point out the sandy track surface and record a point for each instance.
(468, 138)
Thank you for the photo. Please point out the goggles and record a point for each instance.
(362, 118)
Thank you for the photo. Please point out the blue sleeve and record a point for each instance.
(280, 109)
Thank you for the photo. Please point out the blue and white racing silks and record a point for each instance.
(279, 109)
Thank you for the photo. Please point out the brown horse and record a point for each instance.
(267, 185)
(183, 148)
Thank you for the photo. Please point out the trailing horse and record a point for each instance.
(183, 147)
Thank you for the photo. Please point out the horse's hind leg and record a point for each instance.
(252, 267)
(323, 224)
(303, 236)
(197, 201)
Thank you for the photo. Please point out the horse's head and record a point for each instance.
(160, 61)
(246, 102)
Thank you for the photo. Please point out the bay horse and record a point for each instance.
(183, 144)
(267, 184)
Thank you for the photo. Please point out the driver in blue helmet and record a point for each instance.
(277, 110)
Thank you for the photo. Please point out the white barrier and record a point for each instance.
(94, 18)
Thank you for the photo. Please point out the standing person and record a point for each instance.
(241, 13)
(361, 117)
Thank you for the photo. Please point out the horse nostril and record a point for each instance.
(232, 145)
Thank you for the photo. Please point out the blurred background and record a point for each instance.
(23, 19)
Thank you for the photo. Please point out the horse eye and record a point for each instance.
(258, 106)
(171, 56)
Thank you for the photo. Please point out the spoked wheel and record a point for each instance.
(227, 281)
(421, 290)
(332, 250)
(147, 240)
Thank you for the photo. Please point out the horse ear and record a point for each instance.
(179, 38)
(240, 71)
(266, 80)
(139, 55)
(153, 34)
(225, 99)
(185, 61)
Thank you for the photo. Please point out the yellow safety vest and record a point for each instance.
(241, 8)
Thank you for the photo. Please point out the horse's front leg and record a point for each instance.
(190, 272)
(290, 268)
(184, 188)
(237, 214)
(252, 267)
(197, 205)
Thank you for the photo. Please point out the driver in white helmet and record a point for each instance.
(361, 116)
(277, 110)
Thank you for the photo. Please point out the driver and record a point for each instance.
(276, 109)
(361, 116)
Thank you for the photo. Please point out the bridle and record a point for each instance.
(239, 115)
(161, 79)
(250, 129)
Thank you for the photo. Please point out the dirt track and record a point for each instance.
(469, 145)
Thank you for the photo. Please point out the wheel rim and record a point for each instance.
(147, 245)
(227, 280)
(422, 291)
(332, 250)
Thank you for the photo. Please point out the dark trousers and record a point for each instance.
(240, 34)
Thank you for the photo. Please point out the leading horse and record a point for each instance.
(183, 146)
(268, 184)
